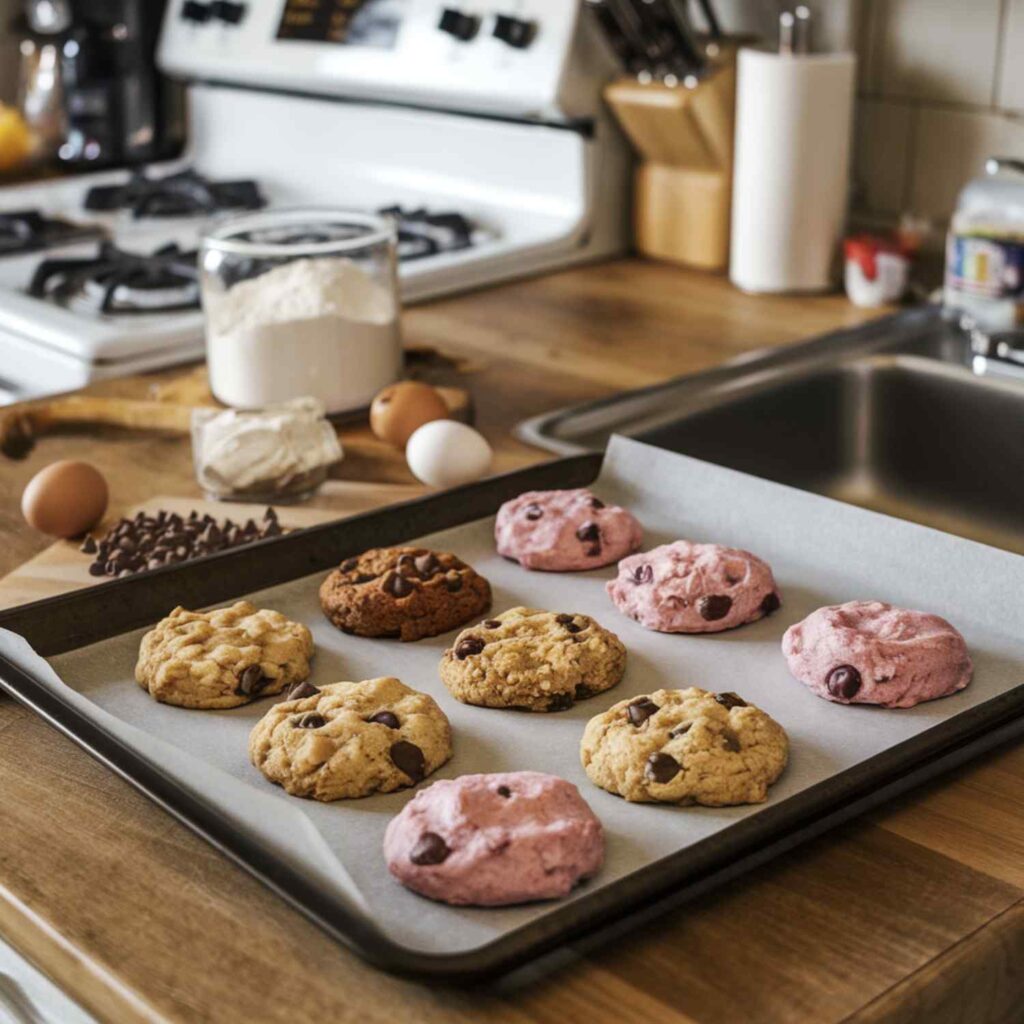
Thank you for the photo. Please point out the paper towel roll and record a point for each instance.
(791, 175)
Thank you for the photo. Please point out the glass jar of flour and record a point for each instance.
(301, 303)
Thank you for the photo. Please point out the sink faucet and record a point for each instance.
(995, 351)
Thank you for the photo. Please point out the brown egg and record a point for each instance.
(65, 499)
(401, 409)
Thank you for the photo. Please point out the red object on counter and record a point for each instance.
(864, 249)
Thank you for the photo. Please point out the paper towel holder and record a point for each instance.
(683, 183)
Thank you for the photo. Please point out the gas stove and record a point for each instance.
(182, 194)
(23, 231)
(496, 160)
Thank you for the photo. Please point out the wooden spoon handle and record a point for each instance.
(21, 424)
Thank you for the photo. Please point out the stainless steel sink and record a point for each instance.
(890, 417)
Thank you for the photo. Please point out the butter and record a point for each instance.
(280, 450)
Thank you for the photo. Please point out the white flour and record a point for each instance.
(318, 327)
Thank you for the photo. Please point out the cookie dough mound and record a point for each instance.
(491, 840)
(694, 588)
(351, 739)
(869, 652)
(409, 593)
(564, 531)
(532, 660)
(685, 747)
(223, 658)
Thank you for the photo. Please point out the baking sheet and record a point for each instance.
(822, 552)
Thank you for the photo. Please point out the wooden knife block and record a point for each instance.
(683, 185)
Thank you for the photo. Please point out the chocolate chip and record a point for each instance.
(643, 574)
(681, 730)
(588, 533)
(301, 690)
(154, 563)
(349, 564)
(270, 514)
(408, 758)
(714, 607)
(365, 577)
(730, 700)
(491, 623)
(427, 565)
(843, 681)
(569, 622)
(504, 791)
(731, 741)
(272, 529)
(582, 691)
(397, 586)
(468, 646)
(430, 848)
(453, 582)
(98, 568)
(596, 503)
(640, 710)
(89, 546)
(388, 718)
(310, 720)
(406, 565)
(533, 512)
(251, 681)
(771, 603)
(560, 702)
(661, 767)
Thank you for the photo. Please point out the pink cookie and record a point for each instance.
(868, 652)
(490, 840)
(694, 588)
(564, 531)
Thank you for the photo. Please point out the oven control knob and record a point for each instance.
(192, 10)
(458, 24)
(514, 31)
(228, 11)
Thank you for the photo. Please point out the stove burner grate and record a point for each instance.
(183, 194)
(422, 233)
(115, 281)
(24, 231)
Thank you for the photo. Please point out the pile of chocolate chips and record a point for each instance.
(150, 541)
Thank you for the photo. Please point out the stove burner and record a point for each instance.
(422, 233)
(175, 195)
(24, 231)
(116, 281)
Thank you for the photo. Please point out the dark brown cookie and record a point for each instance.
(408, 593)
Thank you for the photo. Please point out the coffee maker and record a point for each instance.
(113, 106)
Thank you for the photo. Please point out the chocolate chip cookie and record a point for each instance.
(685, 747)
(409, 593)
(351, 739)
(532, 660)
(565, 531)
(223, 658)
(694, 588)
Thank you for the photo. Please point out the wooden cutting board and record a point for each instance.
(62, 568)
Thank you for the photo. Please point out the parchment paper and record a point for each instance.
(822, 552)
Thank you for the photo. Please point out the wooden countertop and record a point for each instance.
(915, 913)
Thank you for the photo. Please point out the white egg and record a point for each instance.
(444, 453)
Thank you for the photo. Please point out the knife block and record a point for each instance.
(683, 184)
